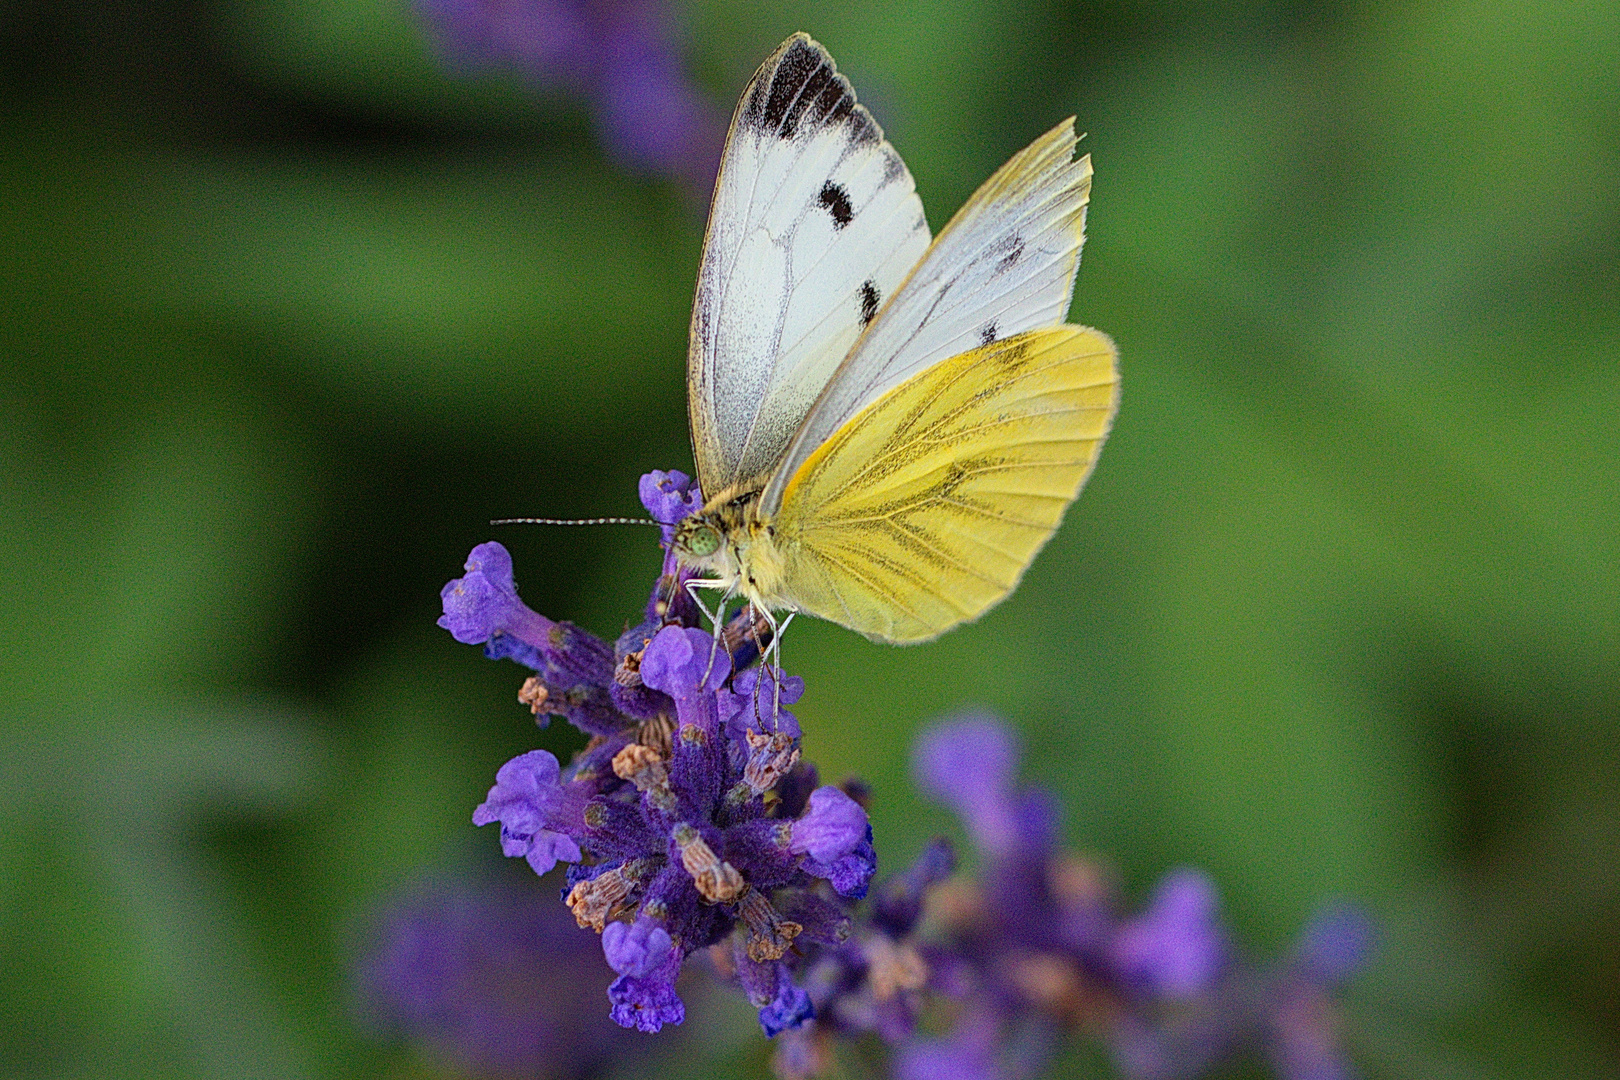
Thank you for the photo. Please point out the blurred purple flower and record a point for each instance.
(1175, 948)
(619, 55)
(1035, 948)
(488, 976)
(967, 1054)
(1334, 945)
(970, 764)
(1302, 1024)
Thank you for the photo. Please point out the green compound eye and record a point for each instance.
(703, 541)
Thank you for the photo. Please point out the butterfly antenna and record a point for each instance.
(577, 521)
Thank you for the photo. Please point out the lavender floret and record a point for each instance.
(831, 828)
(573, 668)
(1175, 948)
(530, 805)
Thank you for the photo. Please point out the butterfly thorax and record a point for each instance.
(731, 542)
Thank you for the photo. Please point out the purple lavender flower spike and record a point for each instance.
(831, 827)
(526, 800)
(686, 833)
(969, 764)
(1035, 948)
(1175, 948)
(637, 948)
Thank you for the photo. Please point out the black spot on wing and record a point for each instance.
(869, 301)
(835, 198)
(988, 334)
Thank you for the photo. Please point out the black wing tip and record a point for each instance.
(800, 82)
(800, 42)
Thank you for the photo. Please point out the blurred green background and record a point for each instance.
(289, 312)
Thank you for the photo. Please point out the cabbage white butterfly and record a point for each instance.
(887, 428)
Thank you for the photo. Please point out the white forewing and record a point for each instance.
(1005, 264)
(815, 222)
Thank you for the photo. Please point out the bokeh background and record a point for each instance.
(294, 300)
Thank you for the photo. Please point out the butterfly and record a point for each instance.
(887, 426)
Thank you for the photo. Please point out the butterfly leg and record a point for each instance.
(716, 617)
(753, 629)
(692, 588)
(767, 667)
(777, 630)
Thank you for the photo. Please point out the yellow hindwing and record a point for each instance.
(923, 510)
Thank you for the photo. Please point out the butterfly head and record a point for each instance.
(713, 539)
(697, 540)
(728, 543)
